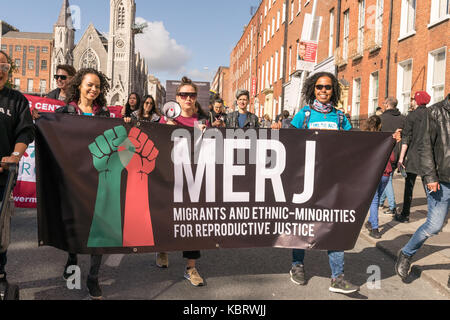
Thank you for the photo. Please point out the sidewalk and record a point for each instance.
(432, 261)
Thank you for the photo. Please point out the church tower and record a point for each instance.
(121, 58)
(64, 39)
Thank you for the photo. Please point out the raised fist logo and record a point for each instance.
(145, 155)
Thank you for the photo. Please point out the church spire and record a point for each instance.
(65, 17)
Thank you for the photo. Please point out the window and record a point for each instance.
(30, 64)
(264, 38)
(356, 97)
(331, 36)
(42, 85)
(262, 79)
(268, 33)
(283, 16)
(439, 10)
(290, 61)
(271, 70)
(404, 83)
(17, 63)
(278, 20)
(18, 48)
(4, 47)
(282, 62)
(299, 6)
(273, 26)
(346, 35)
(44, 65)
(31, 49)
(17, 83)
(266, 78)
(361, 23)
(121, 17)
(44, 49)
(436, 75)
(276, 67)
(30, 85)
(408, 18)
(379, 23)
(373, 93)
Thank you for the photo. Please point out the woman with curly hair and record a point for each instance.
(322, 92)
(86, 97)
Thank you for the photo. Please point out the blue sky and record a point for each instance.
(184, 38)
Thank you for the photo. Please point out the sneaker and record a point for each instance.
(368, 226)
(298, 274)
(162, 260)
(401, 218)
(340, 285)
(402, 265)
(392, 212)
(194, 277)
(375, 233)
(67, 274)
(95, 292)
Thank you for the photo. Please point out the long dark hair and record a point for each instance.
(74, 91)
(128, 110)
(310, 86)
(141, 106)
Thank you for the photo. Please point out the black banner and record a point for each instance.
(107, 187)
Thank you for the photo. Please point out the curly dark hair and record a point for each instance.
(310, 86)
(74, 91)
(372, 124)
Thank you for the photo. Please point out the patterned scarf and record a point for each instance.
(322, 108)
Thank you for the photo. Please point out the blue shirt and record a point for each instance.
(242, 119)
(321, 121)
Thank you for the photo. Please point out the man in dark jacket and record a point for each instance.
(242, 118)
(409, 158)
(434, 155)
(392, 121)
(16, 133)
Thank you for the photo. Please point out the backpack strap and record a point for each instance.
(307, 112)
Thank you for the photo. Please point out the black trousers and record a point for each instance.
(194, 255)
(410, 181)
(96, 262)
(3, 258)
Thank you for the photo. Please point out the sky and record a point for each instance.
(192, 38)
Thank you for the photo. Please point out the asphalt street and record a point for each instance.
(237, 274)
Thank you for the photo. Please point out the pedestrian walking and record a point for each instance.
(86, 97)
(191, 116)
(16, 133)
(373, 124)
(391, 121)
(409, 158)
(434, 155)
(322, 91)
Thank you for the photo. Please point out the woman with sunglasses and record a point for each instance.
(133, 104)
(322, 93)
(191, 115)
(147, 111)
(86, 97)
(63, 76)
(16, 133)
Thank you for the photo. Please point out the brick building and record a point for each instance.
(377, 48)
(31, 54)
(221, 85)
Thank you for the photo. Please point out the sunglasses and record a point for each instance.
(185, 95)
(320, 87)
(5, 67)
(57, 76)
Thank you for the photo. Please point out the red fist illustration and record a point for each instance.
(145, 155)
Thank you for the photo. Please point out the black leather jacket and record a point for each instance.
(411, 137)
(232, 121)
(434, 149)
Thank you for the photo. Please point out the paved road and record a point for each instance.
(244, 274)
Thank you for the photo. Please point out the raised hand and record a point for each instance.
(145, 155)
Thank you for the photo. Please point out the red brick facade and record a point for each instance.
(374, 56)
(32, 56)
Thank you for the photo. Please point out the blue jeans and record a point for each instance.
(389, 193)
(336, 259)
(373, 219)
(438, 209)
